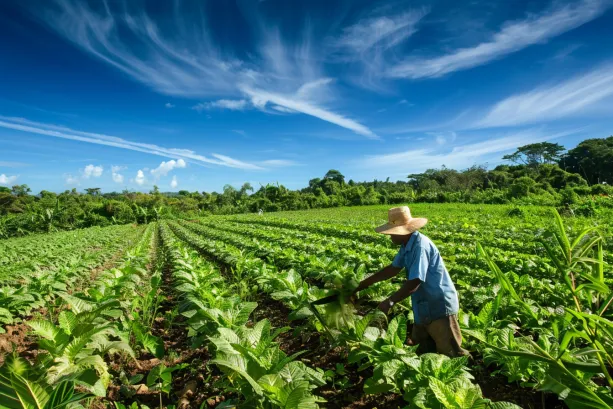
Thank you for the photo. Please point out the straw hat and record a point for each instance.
(399, 221)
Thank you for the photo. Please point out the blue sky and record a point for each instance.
(195, 94)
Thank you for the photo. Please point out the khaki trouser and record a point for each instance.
(442, 335)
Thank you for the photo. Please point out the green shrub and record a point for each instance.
(601, 190)
(569, 196)
(516, 212)
(522, 186)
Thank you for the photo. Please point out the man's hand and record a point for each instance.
(385, 305)
(385, 274)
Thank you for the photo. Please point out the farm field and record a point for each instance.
(216, 312)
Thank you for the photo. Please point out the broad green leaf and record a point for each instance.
(298, 396)
(45, 329)
(443, 393)
(67, 320)
(378, 388)
(228, 365)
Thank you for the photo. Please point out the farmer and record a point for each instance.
(433, 295)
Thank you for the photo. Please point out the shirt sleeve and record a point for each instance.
(418, 267)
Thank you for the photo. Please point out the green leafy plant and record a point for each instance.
(160, 379)
(23, 386)
(74, 348)
(260, 372)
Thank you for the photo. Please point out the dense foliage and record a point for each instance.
(579, 181)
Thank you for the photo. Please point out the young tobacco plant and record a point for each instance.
(262, 374)
(426, 381)
(23, 386)
(74, 348)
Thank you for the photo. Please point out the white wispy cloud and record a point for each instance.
(261, 98)
(177, 56)
(512, 37)
(571, 97)
(370, 45)
(174, 182)
(92, 171)
(166, 167)
(182, 61)
(381, 32)
(458, 156)
(169, 105)
(235, 163)
(25, 125)
(7, 180)
(231, 104)
(140, 178)
(317, 90)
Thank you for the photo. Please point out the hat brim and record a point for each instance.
(411, 227)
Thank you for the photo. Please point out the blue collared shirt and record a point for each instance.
(436, 297)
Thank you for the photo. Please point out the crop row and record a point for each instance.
(504, 238)
(25, 257)
(72, 269)
(456, 252)
(253, 365)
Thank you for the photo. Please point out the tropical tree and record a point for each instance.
(335, 175)
(20, 190)
(536, 154)
(592, 159)
(93, 191)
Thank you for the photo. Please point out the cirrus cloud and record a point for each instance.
(514, 36)
(565, 99)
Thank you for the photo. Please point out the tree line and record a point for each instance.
(580, 180)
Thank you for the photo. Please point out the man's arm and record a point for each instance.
(408, 288)
(384, 274)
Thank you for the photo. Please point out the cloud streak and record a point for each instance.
(513, 36)
(261, 98)
(418, 160)
(25, 125)
(381, 32)
(179, 58)
(230, 104)
(569, 98)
